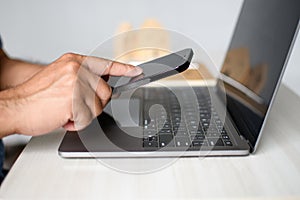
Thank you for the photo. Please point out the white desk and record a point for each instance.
(274, 171)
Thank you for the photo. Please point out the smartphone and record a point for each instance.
(155, 70)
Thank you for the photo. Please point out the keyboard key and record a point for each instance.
(150, 126)
(225, 137)
(192, 122)
(148, 144)
(193, 128)
(199, 143)
(205, 115)
(176, 115)
(181, 133)
(150, 138)
(197, 132)
(197, 137)
(212, 129)
(164, 126)
(205, 124)
(164, 144)
(193, 132)
(228, 143)
(165, 131)
(165, 138)
(150, 132)
(163, 116)
(214, 135)
(219, 122)
(176, 119)
(215, 142)
(160, 121)
(223, 132)
(178, 124)
(180, 128)
(190, 113)
(219, 127)
(182, 142)
(189, 118)
(175, 110)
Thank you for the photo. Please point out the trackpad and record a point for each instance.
(126, 112)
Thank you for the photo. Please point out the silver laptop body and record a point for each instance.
(266, 31)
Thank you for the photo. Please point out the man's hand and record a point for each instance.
(68, 93)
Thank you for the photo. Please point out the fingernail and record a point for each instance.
(138, 70)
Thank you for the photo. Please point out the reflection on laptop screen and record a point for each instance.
(256, 58)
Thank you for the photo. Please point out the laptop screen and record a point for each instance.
(255, 60)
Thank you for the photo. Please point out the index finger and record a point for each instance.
(102, 66)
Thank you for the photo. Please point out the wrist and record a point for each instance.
(15, 72)
(8, 117)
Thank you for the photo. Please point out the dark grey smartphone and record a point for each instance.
(156, 69)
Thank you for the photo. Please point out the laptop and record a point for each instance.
(226, 119)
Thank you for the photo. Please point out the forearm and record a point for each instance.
(14, 72)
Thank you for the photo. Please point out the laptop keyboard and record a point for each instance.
(173, 125)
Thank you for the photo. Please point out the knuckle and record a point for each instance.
(72, 66)
(106, 94)
(68, 56)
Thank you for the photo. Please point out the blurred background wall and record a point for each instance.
(41, 31)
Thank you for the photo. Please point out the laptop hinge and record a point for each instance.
(243, 138)
(248, 142)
